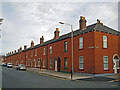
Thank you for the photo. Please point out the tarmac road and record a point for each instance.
(12, 78)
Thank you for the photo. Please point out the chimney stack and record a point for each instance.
(15, 51)
(20, 48)
(32, 44)
(25, 47)
(82, 23)
(41, 40)
(56, 33)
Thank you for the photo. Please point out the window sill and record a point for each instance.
(65, 51)
(106, 69)
(65, 68)
(80, 48)
(81, 69)
(105, 48)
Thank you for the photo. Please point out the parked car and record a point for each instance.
(4, 64)
(9, 65)
(21, 67)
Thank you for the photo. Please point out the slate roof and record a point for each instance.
(90, 28)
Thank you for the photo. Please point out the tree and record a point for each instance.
(1, 19)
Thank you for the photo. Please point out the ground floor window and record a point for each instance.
(105, 61)
(65, 63)
(43, 62)
(50, 63)
(81, 64)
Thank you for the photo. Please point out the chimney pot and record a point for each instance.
(41, 40)
(82, 22)
(56, 33)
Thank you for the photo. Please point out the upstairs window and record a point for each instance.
(36, 52)
(31, 53)
(104, 41)
(81, 43)
(26, 55)
(44, 51)
(50, 49)
(65, 46)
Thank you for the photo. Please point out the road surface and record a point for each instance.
(12, 78)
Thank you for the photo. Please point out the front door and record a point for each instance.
(34, 63)
(56, 65)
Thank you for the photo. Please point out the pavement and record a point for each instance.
(76, 76)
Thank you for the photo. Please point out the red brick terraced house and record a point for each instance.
(96, 48)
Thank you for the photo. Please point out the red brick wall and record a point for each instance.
(93, 57)
(86, 52)
(100, 51)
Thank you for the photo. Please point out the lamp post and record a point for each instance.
(71, 44)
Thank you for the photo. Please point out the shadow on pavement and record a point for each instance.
(97, 79)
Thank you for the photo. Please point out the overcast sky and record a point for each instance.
(26, 21)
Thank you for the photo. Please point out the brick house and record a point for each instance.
(94, 48)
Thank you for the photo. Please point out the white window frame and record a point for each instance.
(81, 43)
(81, 63)
(65, 46)
(105, 63)
(50, 49)
(44, 51)
(105, 39)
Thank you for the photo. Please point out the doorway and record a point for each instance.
(59, 64)
(56, 65)
(116, 63)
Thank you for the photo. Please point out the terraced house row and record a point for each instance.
(96, 50)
